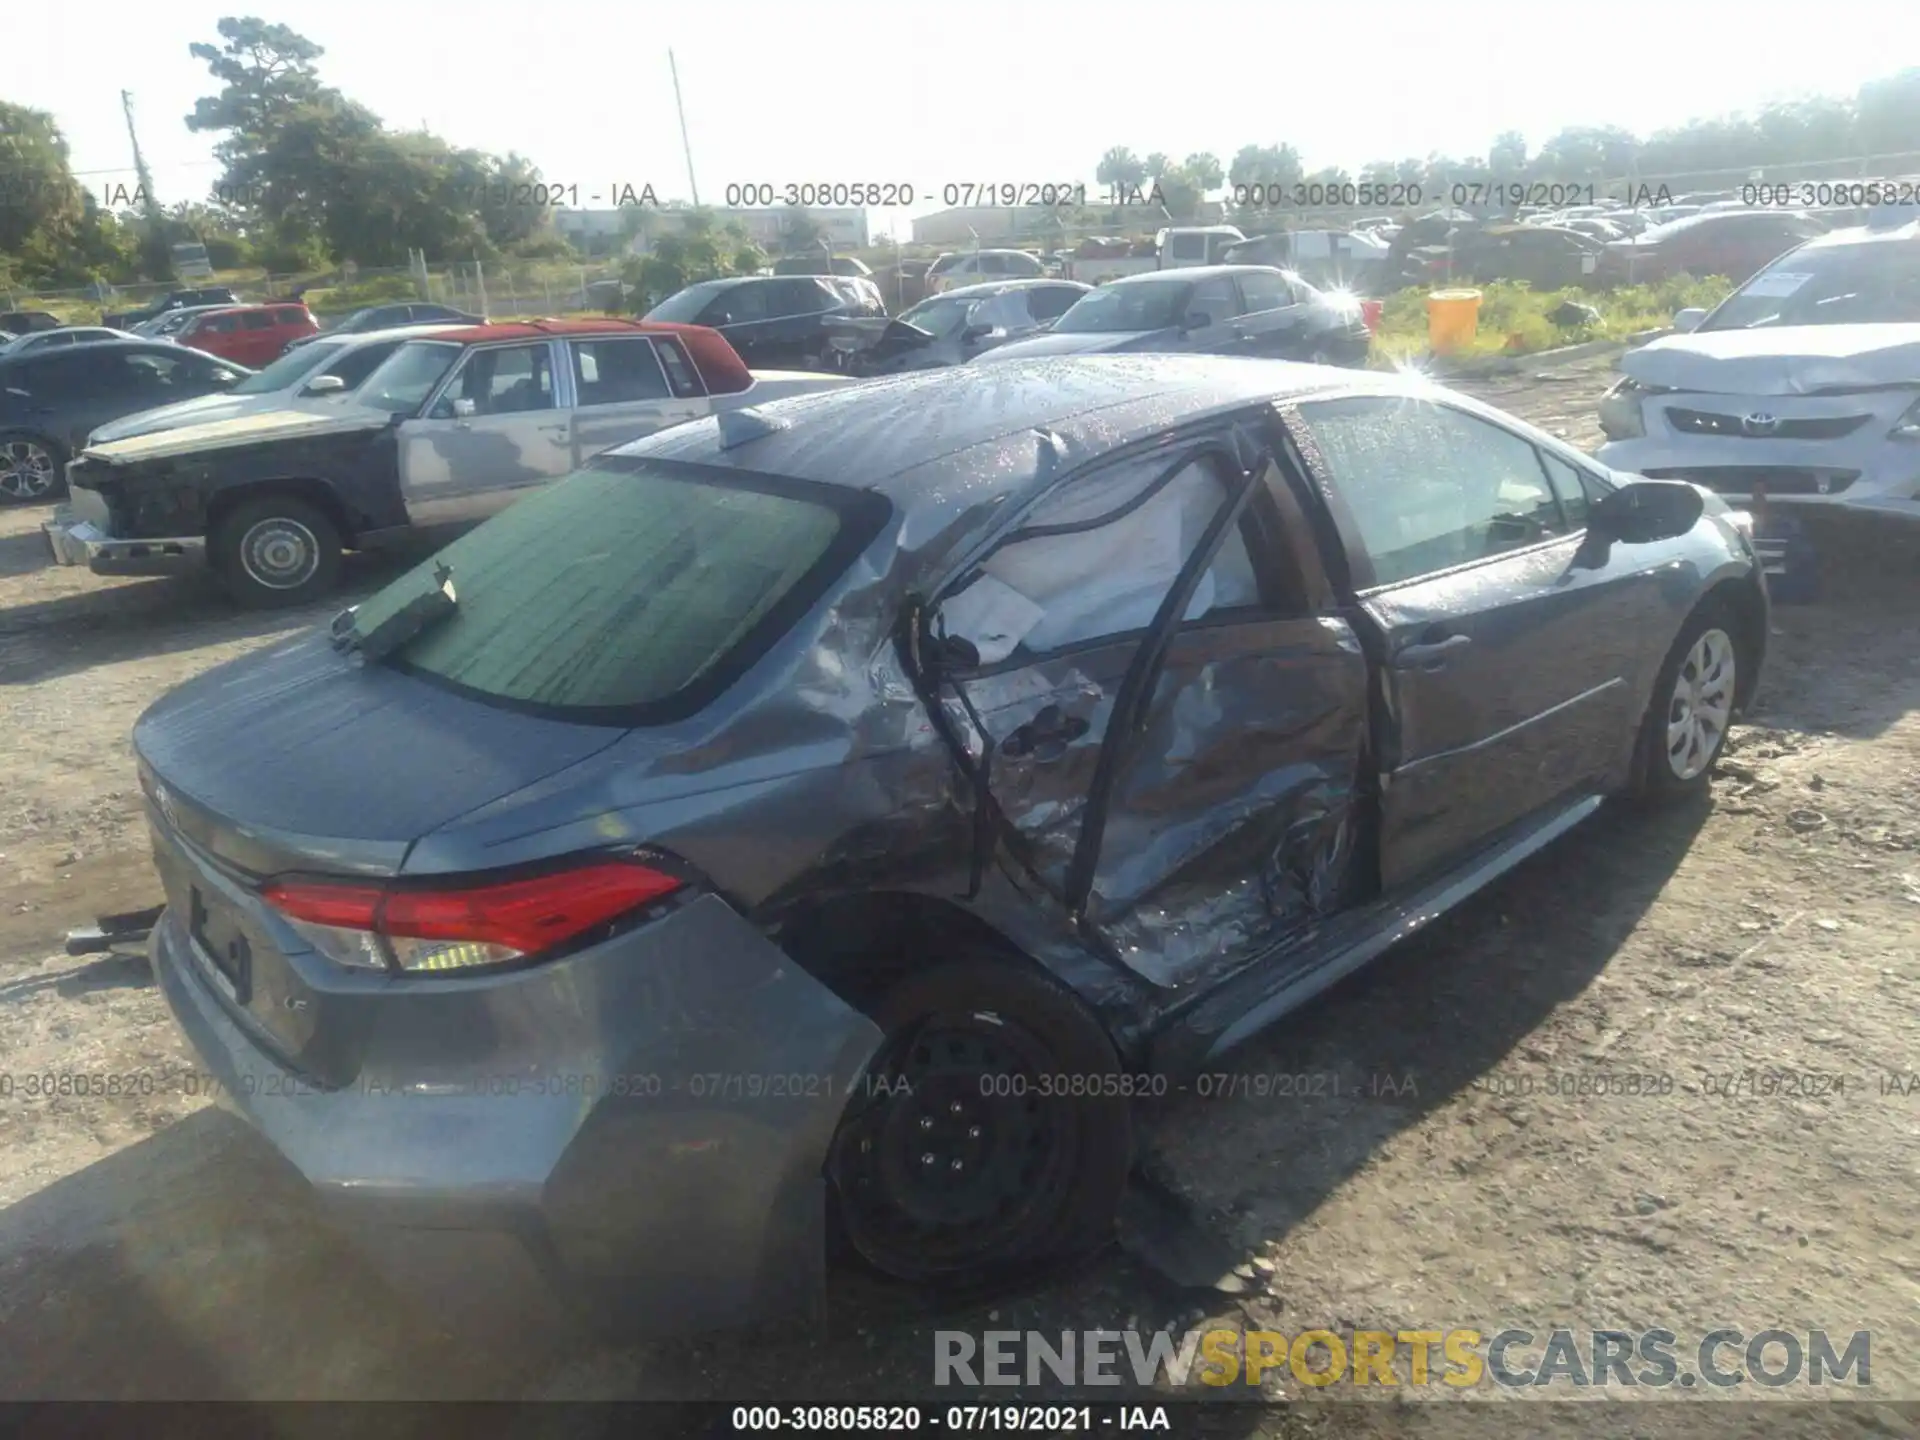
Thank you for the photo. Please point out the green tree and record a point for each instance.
(1205, 170)
(1887, 114)
(41, 205)
(799, 230)
(1120, 168)
(1507, 156)
(686, 250)
(1267, 173)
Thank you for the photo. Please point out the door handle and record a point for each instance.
(1430, 656)
(1046, 736)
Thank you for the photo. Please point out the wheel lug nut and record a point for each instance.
(956, 1166)
(926, 1122)
(973, 1132)
(956, 1108)
(927, 1159)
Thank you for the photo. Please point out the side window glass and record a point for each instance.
(217, 325)
(681, 376)
(1052, 591)
(1215, 299)
(616, 372)
(738, 304)
(1431, 487)
(1569, 485)
(1264, 291)
(1050, 302)
(257, 320)
(508, 381)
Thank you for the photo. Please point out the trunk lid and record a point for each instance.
(296, 757)
(297, 760)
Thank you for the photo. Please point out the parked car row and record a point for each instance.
(452, 426)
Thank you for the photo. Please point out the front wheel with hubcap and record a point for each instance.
(32, 468)
(277, 551)
(1692, 707)
(990, 1131)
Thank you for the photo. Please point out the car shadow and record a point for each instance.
(167, 615)
(1433, 1018)
(1844, 663)
(194, 1264)
(109, 972)
(24, 554)
(1429, 1020)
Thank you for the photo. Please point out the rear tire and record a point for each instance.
(276, 552)
(968, 1149)
(1691, 708)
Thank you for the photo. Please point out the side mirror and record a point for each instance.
(1647, 511)
(974, 333)
(463, 409)
(1689, 318)
(1197, 320)
(325, 385)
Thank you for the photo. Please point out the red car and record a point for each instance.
(1733, 243)
(250, 335)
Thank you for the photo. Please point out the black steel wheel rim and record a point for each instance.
(962, 1150)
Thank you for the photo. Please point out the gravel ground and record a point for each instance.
(151, 1247)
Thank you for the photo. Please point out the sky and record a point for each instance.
(932, 95)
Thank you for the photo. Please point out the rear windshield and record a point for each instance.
(685, 307)
(633, 591)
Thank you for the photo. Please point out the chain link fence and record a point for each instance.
(525, 289)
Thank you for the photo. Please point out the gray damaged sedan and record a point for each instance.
(835, 818)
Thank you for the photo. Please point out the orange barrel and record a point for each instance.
(1453, 319)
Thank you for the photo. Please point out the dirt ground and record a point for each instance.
(151, 1247)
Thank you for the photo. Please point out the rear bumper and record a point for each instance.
(621, 1152)
(81, 542)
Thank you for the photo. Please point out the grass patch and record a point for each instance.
(1514, 317)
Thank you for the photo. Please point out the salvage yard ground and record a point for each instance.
(151, 1247)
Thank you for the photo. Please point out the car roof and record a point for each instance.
(1908, 234)
(1187, 272)
(959, 436)
(989, 288)
(355, 338)
(719, 364)
(138, 343)
(247, 308)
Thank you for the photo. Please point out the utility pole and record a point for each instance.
(142, 176)
(685, 144)
(144, 179)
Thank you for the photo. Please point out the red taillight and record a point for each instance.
(459, 926)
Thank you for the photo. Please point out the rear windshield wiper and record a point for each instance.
(427, 608)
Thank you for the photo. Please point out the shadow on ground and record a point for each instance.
(194, 1265)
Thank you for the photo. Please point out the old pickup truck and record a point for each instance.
(451, 428)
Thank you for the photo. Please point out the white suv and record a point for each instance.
(976, 267)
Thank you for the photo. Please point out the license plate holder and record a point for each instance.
(223, 946)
